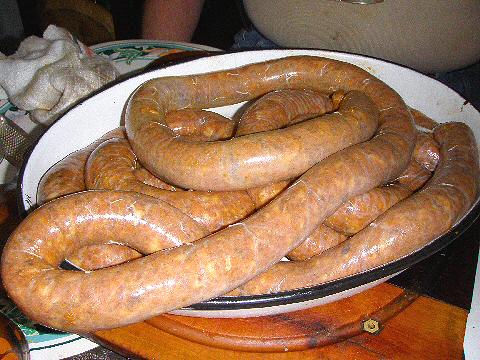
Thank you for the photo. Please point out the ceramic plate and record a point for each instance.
(419, 91)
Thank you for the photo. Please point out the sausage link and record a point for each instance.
(423, 120)
(67, 176)
(153, 284)
(359, 211)
(146, 177)
(257, 159)
(110, 167)
(112, 164)
(321, 239)
(400, 231)
(426, 151)
(200, 125)
(94, 257)
(280, 108)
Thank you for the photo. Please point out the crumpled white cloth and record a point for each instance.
(47, 75)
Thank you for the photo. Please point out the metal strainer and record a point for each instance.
(14, 142)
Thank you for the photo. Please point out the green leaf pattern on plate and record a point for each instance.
(13, 313)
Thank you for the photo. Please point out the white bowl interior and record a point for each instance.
(89, 120)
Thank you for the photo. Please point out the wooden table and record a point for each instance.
(385, 322)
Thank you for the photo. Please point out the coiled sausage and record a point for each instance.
(248, 248)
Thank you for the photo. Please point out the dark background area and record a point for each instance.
(219, 21)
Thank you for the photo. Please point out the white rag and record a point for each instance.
(47, 75)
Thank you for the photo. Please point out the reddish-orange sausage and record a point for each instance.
(67, 176)
(359, 211)
(426, 151)
(114, 166)
(256, 159)
(200, 125)
(280, 108)
(248, 248)
(320, 240)
(423, 120)
(403, 229)
(111, 166)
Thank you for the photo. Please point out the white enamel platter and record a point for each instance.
(102, 112)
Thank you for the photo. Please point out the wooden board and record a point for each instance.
(409, 327)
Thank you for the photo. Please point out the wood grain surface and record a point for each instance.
(410, 327)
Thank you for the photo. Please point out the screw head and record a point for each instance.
(371, 326)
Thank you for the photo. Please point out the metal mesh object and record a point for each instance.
(14, 142)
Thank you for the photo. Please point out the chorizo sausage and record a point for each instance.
(67, 176)
(248, 248)
(256, 159)
(423, 120)
(401, 230)
(111, 166)
(280, 108)
(321, 239)
(426, 151)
